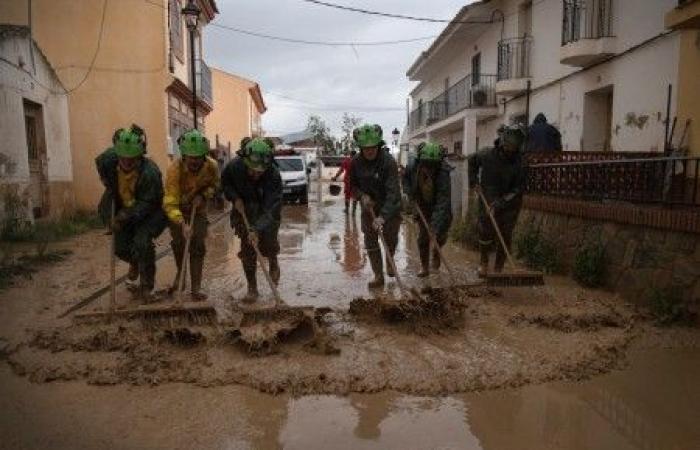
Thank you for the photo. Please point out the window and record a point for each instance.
(176, 38)
(476, 69)
(289, 165)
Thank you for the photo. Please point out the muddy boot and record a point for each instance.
(375, 260)
(424, 262)
(132, 277)
(389, 267)
(500, 261)
(274, 270)
(147, 276)
(484, 265)
(252, 294)
(436, 260)
(196, 267)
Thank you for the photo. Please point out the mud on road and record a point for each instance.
(467, 340)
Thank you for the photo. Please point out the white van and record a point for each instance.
(295, 175)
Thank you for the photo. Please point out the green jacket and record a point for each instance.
(262, 200)
(148, 207)
(502, 179)
(380, 180)
(440, 207)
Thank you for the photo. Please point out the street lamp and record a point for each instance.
(395, 135)
(191, 12)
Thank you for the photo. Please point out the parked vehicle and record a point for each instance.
(295, 175)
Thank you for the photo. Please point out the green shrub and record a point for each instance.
(590, 265)
(669, 308)
(17, 230)
(536, 250)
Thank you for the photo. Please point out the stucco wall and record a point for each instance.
(234, 110)
(689, 89)
(39, 85)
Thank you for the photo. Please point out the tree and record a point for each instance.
(349, 123)
(321, 133)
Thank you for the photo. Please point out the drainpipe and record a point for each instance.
(527, 103)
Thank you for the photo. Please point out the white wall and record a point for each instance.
(16, 85)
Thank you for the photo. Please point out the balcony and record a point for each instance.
(513, 65)
(204, 91)
(587, 35)
(471, 92)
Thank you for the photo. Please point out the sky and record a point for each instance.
(325, 80)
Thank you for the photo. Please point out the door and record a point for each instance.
(597, 120)
(36, 155)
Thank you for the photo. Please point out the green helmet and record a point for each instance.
(128, 143)
(430, 152)
(367, 136)
(193, 143)
(257, 154)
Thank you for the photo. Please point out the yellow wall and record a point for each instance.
(127, 84)
(689, 89)
(234, 109)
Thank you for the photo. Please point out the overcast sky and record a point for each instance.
(367, 77)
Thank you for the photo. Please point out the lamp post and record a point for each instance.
(395, 135)
(191, 12)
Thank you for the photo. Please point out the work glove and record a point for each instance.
(197, 201)
(120, 220)
(253, 238)
(378, 223)
(186, 229)
(366, 202)
(239, 206)
(335, 178)
(498, 205)
(476, 188)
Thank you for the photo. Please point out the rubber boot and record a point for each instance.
(500, 261)
(375, 260)
(132, 277)
(196, 268)
(389, 266)
(436, 260)
(250, 277)
(147, 277)
(424, 262)
(274, 270)
(484, 265)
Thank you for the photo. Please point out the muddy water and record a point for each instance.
(651, 405)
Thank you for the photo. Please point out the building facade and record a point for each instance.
(238, 108)
(121, 62)
(36, 174)
(598, 69)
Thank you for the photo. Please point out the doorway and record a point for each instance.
(36, 155)
(597, 120)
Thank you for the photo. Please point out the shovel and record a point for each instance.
(436, 245)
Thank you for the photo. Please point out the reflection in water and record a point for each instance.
(371, 412)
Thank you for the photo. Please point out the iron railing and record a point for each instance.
(204, 89)
(587, 19)
(664, 180)
(514, 58)
(472, 91)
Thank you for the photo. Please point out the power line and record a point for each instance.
(324, 43)
(393, 16)
(97, 50)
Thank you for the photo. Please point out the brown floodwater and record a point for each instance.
(650, 404)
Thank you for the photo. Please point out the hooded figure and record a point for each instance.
(543, 137)
(499, 174)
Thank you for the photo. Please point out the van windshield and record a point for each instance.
(290, 165)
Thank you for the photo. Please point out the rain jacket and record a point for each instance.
(543, 137)
(262, 199)
(502, 179)
(147, 199)
(440, 206)
(181, 186)
(380, 180)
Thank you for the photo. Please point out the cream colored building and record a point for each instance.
(121, 62)
(36, 176)
(238, 106)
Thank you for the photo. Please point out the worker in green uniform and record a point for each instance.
(252, 182)
(499, 174)
(133, 205)
(427, 183)
(374, 180)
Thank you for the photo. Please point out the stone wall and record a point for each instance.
(640, 258)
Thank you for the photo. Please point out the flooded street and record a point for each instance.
(556, 367)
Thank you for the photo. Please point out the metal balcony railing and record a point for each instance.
(204, 88)
(514, 58)
(586, 19)
(472, 91)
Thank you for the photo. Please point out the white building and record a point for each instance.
(599, 70)
(36, 176)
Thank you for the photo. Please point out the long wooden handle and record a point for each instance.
(436, 244)
(389, 256)
(498, 230)
(183, 262)
(259, 256)
(113, 262)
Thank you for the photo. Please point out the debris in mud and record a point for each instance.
(183, 337)
(438, 309)
(570, 323)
